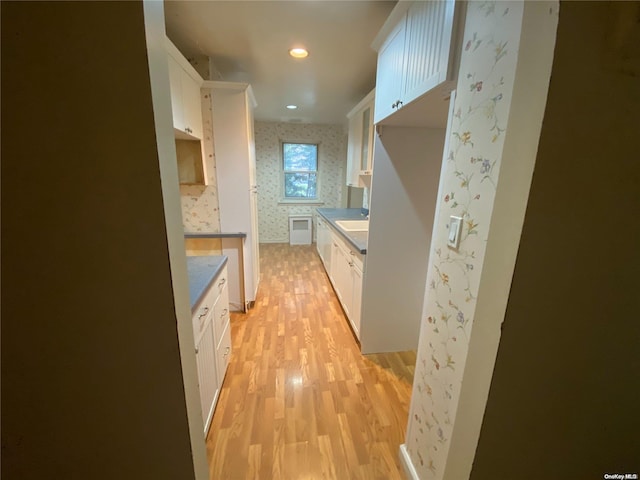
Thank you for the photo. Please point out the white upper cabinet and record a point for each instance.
(389, 72)
(417, 55)
(175, 85)
(185, 84)
(360, 144)
(191, 105)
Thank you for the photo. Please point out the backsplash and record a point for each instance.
(200, 206)
(484, 92)
(273, 217)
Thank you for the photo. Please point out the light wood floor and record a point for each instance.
(299, 401)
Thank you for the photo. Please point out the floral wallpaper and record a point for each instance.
(273, 216)
(484, 89)
(199, 202)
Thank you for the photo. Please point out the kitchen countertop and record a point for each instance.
(202, 271)
(215, 235)
(357, 239)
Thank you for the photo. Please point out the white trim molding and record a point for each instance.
(405, 460)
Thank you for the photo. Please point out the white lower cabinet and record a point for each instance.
(323, 242)
(342, 277)
(212, 332)
(346, 273)
(207, 373)
(356, 310)
(223, 352)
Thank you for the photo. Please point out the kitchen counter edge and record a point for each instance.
(357, 239)
(202, 272)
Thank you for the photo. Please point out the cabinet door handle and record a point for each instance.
(351, 264)
(222, 282)
(400, 103)
(204, 313)
(224, 312)
(394, 105)
(196, 350)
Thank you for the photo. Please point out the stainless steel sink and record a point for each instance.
(353, 225)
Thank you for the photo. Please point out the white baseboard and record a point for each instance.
(409, 469)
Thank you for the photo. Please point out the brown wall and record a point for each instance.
(91, 379)
(565, 392)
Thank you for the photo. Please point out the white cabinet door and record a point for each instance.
(356, 303)
(207, 374)
(429, 27)
(334, 265)
(324, 243)
(366, 142)
(192, 106)
(319, 228)
(390, 72)
(360, 146)
(321, 239)
(221, 316)
(343, 280)
(223, 354)
(185, 101)
(175, 85)
(353, 147)
(416, 57)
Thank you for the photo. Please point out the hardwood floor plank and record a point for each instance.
(299, 399)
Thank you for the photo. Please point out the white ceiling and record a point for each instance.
(248, 41)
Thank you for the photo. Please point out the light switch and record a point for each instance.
(455, 229)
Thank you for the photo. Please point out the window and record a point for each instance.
(300, 165)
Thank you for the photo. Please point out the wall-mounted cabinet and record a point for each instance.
(360, 144)
(191, 170)
(186, 108)
(185, 85)
(417, 54)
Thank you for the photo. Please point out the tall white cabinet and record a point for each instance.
(234, 144)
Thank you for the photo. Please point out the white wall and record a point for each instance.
(404, 189)
(273, 216)
(95, 303)
(501, 92)
(564, 394)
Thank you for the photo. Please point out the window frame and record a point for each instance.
(284, 172)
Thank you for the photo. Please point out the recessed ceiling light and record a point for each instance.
(298, 53)
(292, 107)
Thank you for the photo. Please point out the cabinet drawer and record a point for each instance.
(224, 353)
(205, 309)
(202, 316)
(220, 283)
(354, 255)
(221, 315)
